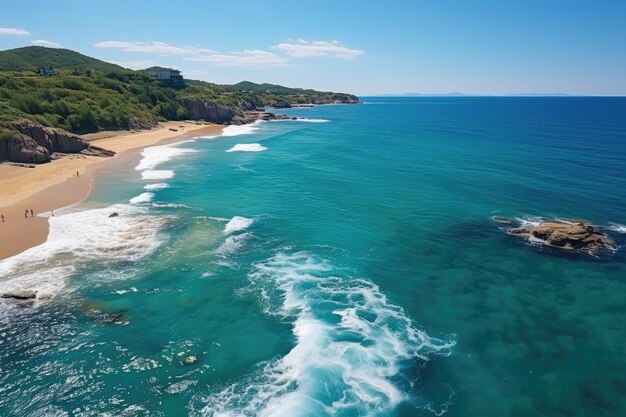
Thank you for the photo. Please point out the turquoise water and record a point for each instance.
(346, 265)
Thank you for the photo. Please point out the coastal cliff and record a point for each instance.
(210, 112)
(37, 144)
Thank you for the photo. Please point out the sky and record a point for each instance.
(363, 47)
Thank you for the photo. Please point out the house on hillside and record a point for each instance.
(167, 76)
(46, 72)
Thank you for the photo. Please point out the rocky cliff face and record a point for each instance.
(248, 113)
(39, 144)
(337, 98)
(202, 110)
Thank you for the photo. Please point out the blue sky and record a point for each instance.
(363, 47)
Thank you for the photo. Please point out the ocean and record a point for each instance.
(344, 264)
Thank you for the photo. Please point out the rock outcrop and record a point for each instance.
(214, 113)
(577, 236)
(189, 360)
(97, 151)
(20, 295)
(202, 110)
(38, 144)
(252, 116)
(281, 104)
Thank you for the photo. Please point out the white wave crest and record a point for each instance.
(616, 227)
(529, 221)
(232, 244)
(247, 147)
(151, 174)
(142, 198)
(156, 155)
(157, 186)
(351, 346)
(237, 224)
(181, 386)
(78, 238)
(236, 130)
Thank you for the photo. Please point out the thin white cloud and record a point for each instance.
(13, 31)
(151, 47)
(306, 49)
(247, 58)
(47, 44)
(135, 65)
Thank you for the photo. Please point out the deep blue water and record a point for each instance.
(348, 266)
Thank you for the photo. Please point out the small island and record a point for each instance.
(576, 235)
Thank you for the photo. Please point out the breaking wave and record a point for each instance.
(236, 130)
(237, 224)
(77, 238)
(247, 147)
(157, 155)
(618, 228)
(142, 198)
(152, 174)
(157, 186)
(351, 346)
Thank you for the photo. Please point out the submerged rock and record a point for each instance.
(114, 318)
(20, 295)
(189, 360)
(501, 219)
(113, 215)
(577, 236)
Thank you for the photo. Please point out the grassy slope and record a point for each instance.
(31, 57)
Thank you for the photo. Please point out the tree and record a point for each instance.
(87, 120)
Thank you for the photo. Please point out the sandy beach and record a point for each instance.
(54, 185)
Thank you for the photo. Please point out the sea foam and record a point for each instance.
(616, 227)
(79, 238)
(157, 186)
(247, 147)
(142, 198)
(232, 244)
(351, 346)
(236, 130)
(156, 155)
(155, 174)
(237, 224)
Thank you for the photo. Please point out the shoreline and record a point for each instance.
(55, 185)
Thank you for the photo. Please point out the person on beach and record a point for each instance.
(31, 213)
(52, 213)
(77, 174)
(2, 217)
(26, 214)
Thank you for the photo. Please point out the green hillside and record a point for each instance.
(31, 57)
(88, 95)
(248, 86)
